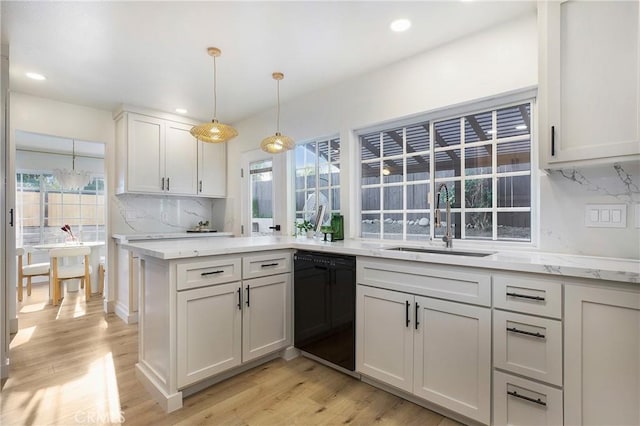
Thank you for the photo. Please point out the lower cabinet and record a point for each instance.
(602, 356)
(438, 350)
(221, 326)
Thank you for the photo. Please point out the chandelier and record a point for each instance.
(277, 143)
(72, 179)
(215, 131)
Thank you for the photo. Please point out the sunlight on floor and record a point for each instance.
(23, 336)
(32, 308)
(80, 308)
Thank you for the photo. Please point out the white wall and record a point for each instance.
(485, 64)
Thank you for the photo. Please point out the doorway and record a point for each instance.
(264, 194)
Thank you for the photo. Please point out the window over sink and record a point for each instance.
(482, 155)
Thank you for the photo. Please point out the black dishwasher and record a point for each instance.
(325, 305)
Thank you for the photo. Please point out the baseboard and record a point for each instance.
(13, 326)
(109, 306)
(290, 353)
(122, 311)
(168, 402)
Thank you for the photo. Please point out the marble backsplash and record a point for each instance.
(563, 196)
(149, 213)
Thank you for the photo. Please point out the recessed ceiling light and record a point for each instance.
(181, 110)
(521, 127)
(400, 25)
(35, 76)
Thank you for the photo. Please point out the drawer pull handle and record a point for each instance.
(248, 302)
(204, 274)
(526, 398)
(266, 265)
(528, 333)
(239, 298)
(526, 296)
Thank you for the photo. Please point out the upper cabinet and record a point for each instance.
(589, 82)
(158, 155)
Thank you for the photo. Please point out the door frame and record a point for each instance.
(279, 196)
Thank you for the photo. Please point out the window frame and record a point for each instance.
(460, 112)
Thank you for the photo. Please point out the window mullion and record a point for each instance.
(463, 181)
(494, 176)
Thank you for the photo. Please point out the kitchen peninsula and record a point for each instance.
(209, 311)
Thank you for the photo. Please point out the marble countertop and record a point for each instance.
(123, 238)
(612, 269)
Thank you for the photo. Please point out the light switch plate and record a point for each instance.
(607, 215)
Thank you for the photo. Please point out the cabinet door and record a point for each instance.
(266, 323)
(589, 80)
(452, 357)
(145, 150)
(208, 331)
(384, 336)
(212, 169)
(602, 356)
(181, 159)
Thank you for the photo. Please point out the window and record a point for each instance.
(482, 159)
(317, 178)
(42, 208)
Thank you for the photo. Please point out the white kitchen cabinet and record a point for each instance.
(452, 356)
(589, 82)
(266, 315)
(156, 154)
(209, 332)
(438, 350)
(602, 356)
(384, 337)
(212, 169)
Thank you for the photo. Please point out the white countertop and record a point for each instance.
(123, 238)
(612, 269)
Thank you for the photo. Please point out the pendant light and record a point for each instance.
(277, 143)
(214, 132)
(72, 179)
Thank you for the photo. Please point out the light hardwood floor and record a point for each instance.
(73, 364)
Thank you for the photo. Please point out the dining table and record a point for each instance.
(94, 261)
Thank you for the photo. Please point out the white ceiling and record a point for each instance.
(153, 54)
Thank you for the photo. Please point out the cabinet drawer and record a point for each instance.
(528, 345)
(262, 265)
(519, 401)
(529, 296)
(209, 272)
(457, 284)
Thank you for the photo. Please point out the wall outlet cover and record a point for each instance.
(606, 216)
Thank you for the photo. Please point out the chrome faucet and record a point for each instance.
(447, 238)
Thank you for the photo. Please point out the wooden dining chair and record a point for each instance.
(76, 267)
(29, 270)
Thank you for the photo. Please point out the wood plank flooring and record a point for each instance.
(75, 365)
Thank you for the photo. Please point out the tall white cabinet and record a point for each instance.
(602, 356)
(156, 154)
(589, 82)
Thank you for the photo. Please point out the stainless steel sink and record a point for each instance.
(442, 251)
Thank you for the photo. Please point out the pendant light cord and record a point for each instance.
(215, 112)
(278, 115)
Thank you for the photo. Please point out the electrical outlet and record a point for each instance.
(606, 215)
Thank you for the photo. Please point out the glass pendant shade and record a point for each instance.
(214, 132)
(277, 143)
(72, 179)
